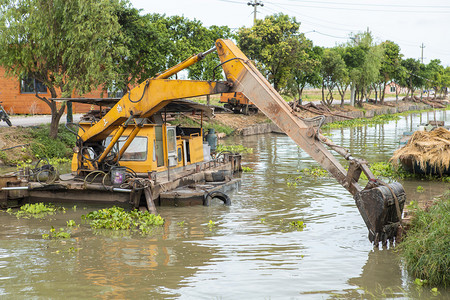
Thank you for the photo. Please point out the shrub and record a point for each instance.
(44, 146)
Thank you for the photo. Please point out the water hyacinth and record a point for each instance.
(116, 218)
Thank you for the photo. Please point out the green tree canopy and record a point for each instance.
(68, 45)
(146, 40)
(273, 43)
(390, 62)
(305, 69)
(363, 58)
(414, 75)
(333, 70)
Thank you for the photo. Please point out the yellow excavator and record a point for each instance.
(379, 204)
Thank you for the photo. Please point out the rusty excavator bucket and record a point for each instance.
(381, 209)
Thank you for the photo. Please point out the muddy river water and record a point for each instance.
(250, 252)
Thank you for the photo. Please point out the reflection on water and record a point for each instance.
(251, 252)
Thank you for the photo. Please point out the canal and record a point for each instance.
(248, 251)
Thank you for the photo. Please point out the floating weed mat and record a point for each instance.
(116, 218)
(426, 246)
(35, 210)
(378, 119)
(429, 149)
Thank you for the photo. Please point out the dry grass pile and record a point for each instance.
(427, 148)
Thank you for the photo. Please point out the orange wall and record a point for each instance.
(14, 102)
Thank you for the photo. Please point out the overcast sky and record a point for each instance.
(409, 23)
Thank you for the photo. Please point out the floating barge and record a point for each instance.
(163, 165)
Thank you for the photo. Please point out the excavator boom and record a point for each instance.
(380, 204)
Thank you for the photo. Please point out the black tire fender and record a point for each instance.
(216, 194)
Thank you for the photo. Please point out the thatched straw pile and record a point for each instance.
(429, 149)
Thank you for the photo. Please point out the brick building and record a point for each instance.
(18, 96)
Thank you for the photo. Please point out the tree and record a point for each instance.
(413, 78)
(445, 81)
(187, 37)
(399, 78)
(147, 41)
(306, 69)
(273, 43)
(342, 78)
(434, 73)
(390, 62)
(363, 59)
(333, 69)
(70, 46)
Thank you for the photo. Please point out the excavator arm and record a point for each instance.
(380, 204)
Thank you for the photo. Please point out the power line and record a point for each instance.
(365, 8)
(374, 5)
(255, 4)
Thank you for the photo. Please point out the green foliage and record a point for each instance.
(185, 38)
(116, 218)
(274, 43)
(35, 210)
(247, 169)
(426, 246)
(334, 74)
(420, 189)
(71, 223)
(297, 225)
(414, 77)
(44, 146)
(211, 225)
(181, 223)
(67, 45)
(306, 70)
(378, 119)
(234, 149)
(61, 234)
(315, 172)
(363, 59)
(218, 127)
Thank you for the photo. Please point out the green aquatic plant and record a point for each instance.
(211, 225)
(71, 223)
(297, 225)
(293, 180)
(181, 224)
(425, 248)
(315, 172)
(420, 189)
(378, 119)
(116, 218)
(61, 234)
(35, 210)
(247, 169)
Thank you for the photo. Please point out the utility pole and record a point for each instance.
(421, 90)
(423, 46)
(255, 4)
